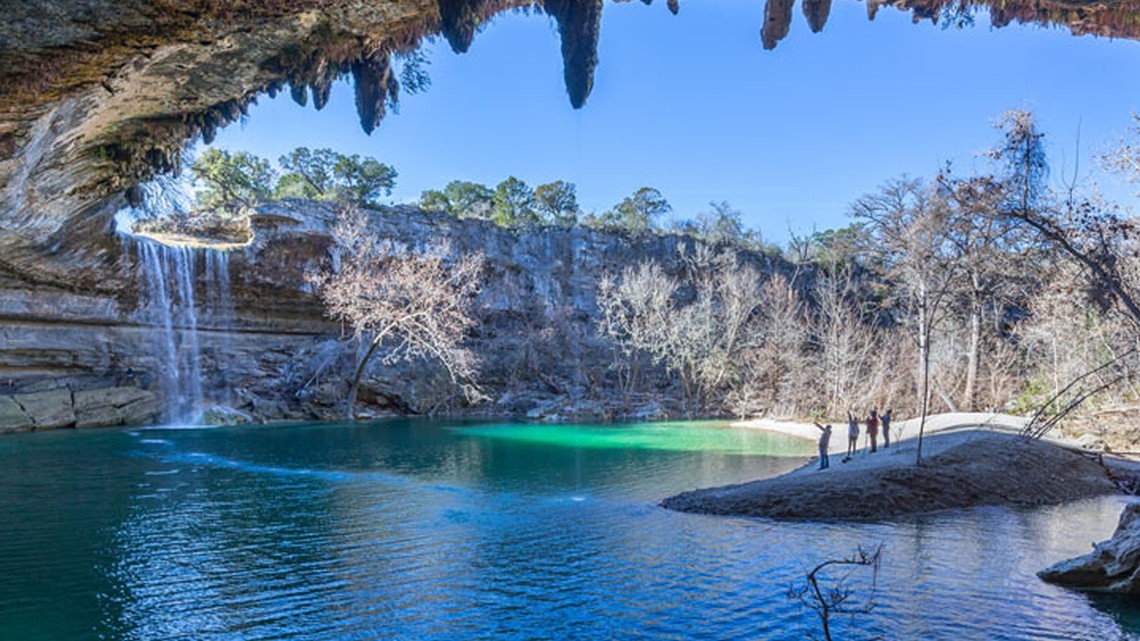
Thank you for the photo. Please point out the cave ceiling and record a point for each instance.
(102, 95)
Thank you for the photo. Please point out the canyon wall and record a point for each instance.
(260, 343)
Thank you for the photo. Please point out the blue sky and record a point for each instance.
(691, 104)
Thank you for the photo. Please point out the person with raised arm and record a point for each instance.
(824, 443)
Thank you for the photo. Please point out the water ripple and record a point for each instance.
(343, 533)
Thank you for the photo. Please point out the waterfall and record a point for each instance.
(218, 286)
(167, 276)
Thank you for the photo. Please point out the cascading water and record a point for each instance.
(167, 275)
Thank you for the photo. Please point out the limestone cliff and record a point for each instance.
(273, 354)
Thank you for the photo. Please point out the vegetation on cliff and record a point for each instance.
(939, 296)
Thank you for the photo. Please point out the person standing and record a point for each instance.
(824, 442)
(852, 435)
(873, 430)
(886, 419)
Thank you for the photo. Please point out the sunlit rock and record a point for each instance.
(1112, 566)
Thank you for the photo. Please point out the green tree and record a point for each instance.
(231, 182)
(461, 199)
(557, 202)
(362, 180)
(309, 173)
(327, 175)
(513, 204)
(638, 212)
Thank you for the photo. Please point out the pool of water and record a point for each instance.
(450, 530)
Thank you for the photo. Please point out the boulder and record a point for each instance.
(222, 415)
(115, 406)
(1112, 566)
(144, 409)
(49, 410)
(13, 418)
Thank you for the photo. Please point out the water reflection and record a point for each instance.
(429, 531)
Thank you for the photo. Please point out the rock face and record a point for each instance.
(1112, 566)
(262, 346)
(101, 95)
(63, 408)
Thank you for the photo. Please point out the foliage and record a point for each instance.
(722, 224)
(362, 180)
(513, 204)
(557, 203)
(231, 182)
(460, 199)
(324, 174)
(413, 304)
(639, 212)
(309, 173)
(414, 77)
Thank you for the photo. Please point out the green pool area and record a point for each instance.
(677, 436)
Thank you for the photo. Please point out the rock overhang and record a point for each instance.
(105, 94)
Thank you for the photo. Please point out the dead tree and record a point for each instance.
(836, 598)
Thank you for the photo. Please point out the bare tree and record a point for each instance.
(837, 598)
(990, 252)
(414, 304)
(635, 316)
(1089, 231)
(782, 328)
(907, 223)
(700, 338)
(847, 346)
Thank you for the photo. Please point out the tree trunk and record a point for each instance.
(924, 364)
(969, 396)
(359, 375)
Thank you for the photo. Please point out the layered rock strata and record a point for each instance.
(275, 356)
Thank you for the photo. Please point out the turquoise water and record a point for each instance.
(436, 530)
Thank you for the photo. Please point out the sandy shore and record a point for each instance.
(969, 460)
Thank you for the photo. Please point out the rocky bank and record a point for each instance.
(1112, 566)
(974, 469)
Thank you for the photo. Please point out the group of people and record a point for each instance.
(874, 421)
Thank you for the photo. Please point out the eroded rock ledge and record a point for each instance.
(65, 407)
(992, 469)
(1112, 566)
(275, 356)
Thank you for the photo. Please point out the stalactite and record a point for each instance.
(816, 12)
(579, 25)
(459, 19)
(777, 21)
(373, 78)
